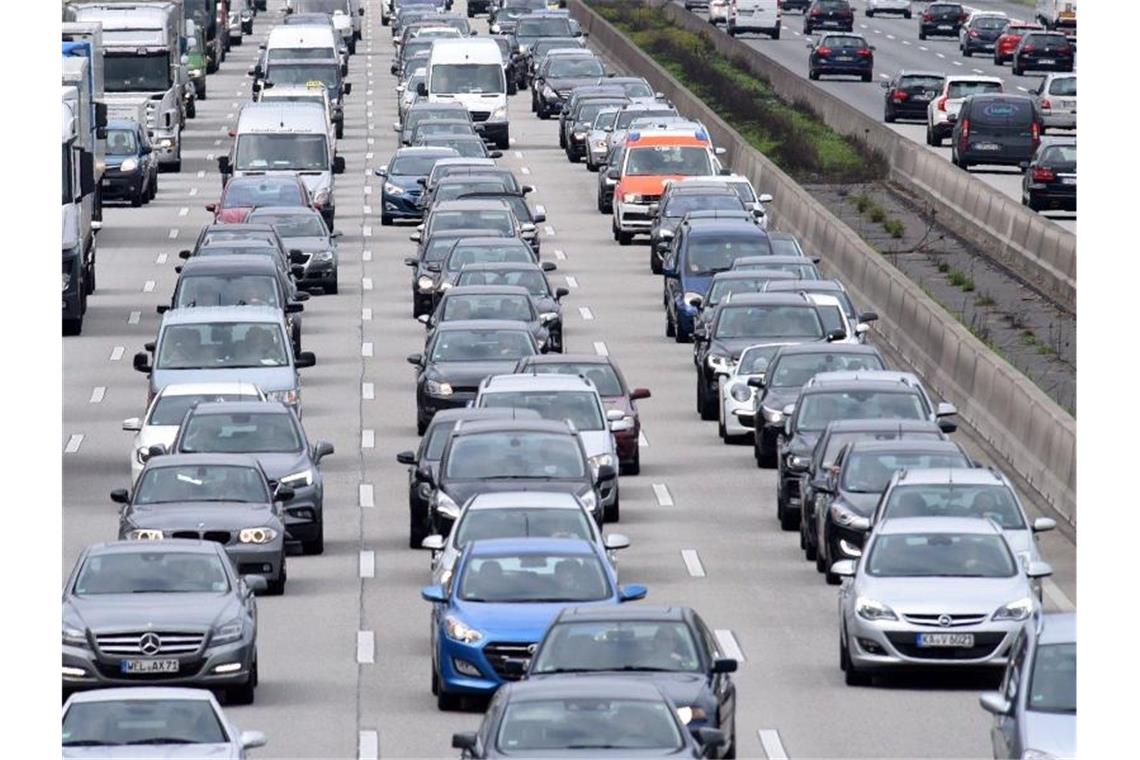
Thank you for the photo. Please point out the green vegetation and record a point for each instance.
(895, 228)
(984, 301)
(866, 205)
(788, 134)
(960, 279)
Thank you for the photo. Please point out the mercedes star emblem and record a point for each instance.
(150, 643)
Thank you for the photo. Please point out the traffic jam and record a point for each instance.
(287, 338)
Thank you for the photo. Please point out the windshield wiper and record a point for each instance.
(89, 743)
(165, 740)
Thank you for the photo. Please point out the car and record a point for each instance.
(454, 186)
(969, 579)
(428, 262)
(475, 302)
(219, 253)
(797, 265)
(841, 54)
(735, 410)
(1056, 98)
(479, 619)
(407, 92)
(783, 243)
(469, 251)
(739, 184)
(637, 89)
(560, 74)
(506, 13)
(829, 14)
(131, 171)
(846, 494)
(528, 275)
(981, 31)
(224, 498)
(469, 146)
(1042, 51)
(243, 194)
(671, 647)
(528, 219)
(555, 28)
(441, 127)
(484, 167)
(402, 177)
(167, 720)
(518, 514)
(616, 395)
(631, 113)
(422, 111)
(995, 129)
(677, 201)
(492, 214)
(574, 400)
(728, 285)
(1009, 38)
(1035, 711)
(858, 321)
(218, 234)
(941, 19)
(945, 106)
(909, 93)
(795, 5)
(1050, 178)
(458, 356)
(897, 7)
(160, 423)
(602, 89)
(314, 92)
(305, 230)
(583, 134)
(169, 612)
(754, 16)
(719, 11)
(615, 155)
(271, 433)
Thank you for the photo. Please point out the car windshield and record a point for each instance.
(412, 166)
(531, 279)
(1053, 685)
(636, 89)
(461, 256)
(805, 271)
(258, 192)
(240, 434)
(578, 407)
(452, 78)
(870, 471)
(121, 142)
(554, 26)
(293, 225)
(626, 117)
(319, 53)
(843, 41)
(481, 346)
(465, 146)
(169, 409)
(1064, 86)
(769, 322)
(530, 455)
(668, 159)
(679, 205)
(522, 522)
(118, 722)
(214, 345)
(793, 371)
(303, 73)
(755, 361)
(706, 254)
(534, 578)
(149, 72)
(605, 117)
(452, 190)
(162, 485)
(968, 88)
(721, 288)
(542, 45)
(298, 152)
(918, 82)
(818, 409)
(441, 127)
(582, 723)
(472, 220)
(230, 250)
(1059, 154)
(148, 572)
(832, 317)
(612, 645)
(579, 66)
(989, 22)
(492, 306)
(603, 376)
(231, 232)
(227, 290)
(927, 555)
(994, 502)
(590, 109)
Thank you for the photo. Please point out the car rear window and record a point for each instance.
(1002, 111)
(1064, 86)
(989, 22)
(967, 88)
(1059, 154)
(834, 5)
(921, 82)
(1045, 39)
(944, 7)
(843, 41)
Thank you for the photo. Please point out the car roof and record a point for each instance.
(205, 314)
(475, 290)
(592, 686)
(247, 227)
(622, 612)
(569, 359)
(203, 460)
(476, 413)
(141, 693)
(975, 476)
(829, 348)
(528, 545)
(484, 324)
(977, 525)
(483, 239)
(188, 545)
(233, 387)
(528, 499)
(907, 444)
(544, 382)
(282, 211)
(204, 265)
(251, 243)
(128, 124)
(765, 299)
(514, 425)
(437, 106)
(818, 286)
(854, 385)
(484, 266)
(1058, 628)
(749, 274)
(776, 259)
(921, 73)
(426, 150)
(709, 225)
(878, 425)
(971, 78)
(241, 407)
(477, 205)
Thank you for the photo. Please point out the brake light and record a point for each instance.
(1035, 133)
(1041, 174)
(965, 130)
(899, 96)
(963, 16)
(1029, 48)
(817, 12)
(864, 53)
(823, 52)
(942, 103)
(927, 17)
(1045, 104)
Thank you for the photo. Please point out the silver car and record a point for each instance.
(152, 722)
(1056, 96)
(934, 592)
(737, 395)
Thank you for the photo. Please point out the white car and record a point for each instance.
(1056, 96)
(736, 395)
(406, 91)
(901, 7)
(761, 16)
(718, 11)
(162, 419)
(835, 318)
(954, 91)
(742, 186)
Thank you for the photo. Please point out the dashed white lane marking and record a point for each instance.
(794, 32)
(368, 564)
(368, 189)
(727, 641)
(367, 391)
(371, 140)
(368, 156)
(862, 26)
(217, 142)
(693, 563)
(184, 211)
(117, 353)
(366, 255)
(600, 348)
(368, 746)
(201, 173)
(148, 286)
(366, 314)
(97, 394)
(366, 210)
(642, 440)
(366, 283)
(890, 36)
(883, 76)
(549, 229)
(518, 154)
(560, 255)
(160, 258)
(585, 312)
(773, 746)
(661, 493)
(877, 31)
(133, 317)
(940, 55)
(571, 282)
(977, 71)
(956, 63)
(173, 233)
(1023, 89)
(239, 92)
(923, 47)
(525, 170)
(73, 443)
(193, 191)
(365, 647)
(367, 439)
(366, 348)
(906, 42)
(209, 156)
(366, 232)
(233, 105)
(366, 499)
(1058, 597)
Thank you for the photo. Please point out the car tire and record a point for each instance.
(889, 116)
(192, 109)
(967, 52)
(340, 130)
(634, 467)
(851, 676)
(417, 532)
(612, 513)
(154, 186)
(704, 400)
(421, 426)
(1017, 70)
(932, 138)
(315, 546)
(870, 13)
(447, 702)
(244, 694)
(810, 550)
(1032, 204)
(921, 35)
(820, 559)
(332, 288)
(504, 142)
(670, 327)
(867, 77)
(386, 220)
(277, 587)
(906, 14)
(624, 238)
(831, 578)
(813, 74)
(137, 199)
(512, 87)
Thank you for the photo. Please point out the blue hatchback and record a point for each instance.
(403, 181)
(488, 617)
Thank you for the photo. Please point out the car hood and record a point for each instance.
(670, 223)
(150, 751)
(653, 184)
(1055, 733)
(307, 244)
(514, 622)
(953, 596)
(778, 398)
(462, 490)
(696, 283)
(122, 612)
(268, 379)
(863, 503)
(562, 84)
(618, 402)
(469, 373)
(199, 515)
(277, 465)
(405, 181)
(232, 215)
(733, 347)
(803, 442)
(597, 442)
(681, 688)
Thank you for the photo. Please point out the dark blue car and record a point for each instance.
(132, 168)
(841, 54)
(402, 187)
(498, 604)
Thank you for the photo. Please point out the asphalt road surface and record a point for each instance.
(344, 654)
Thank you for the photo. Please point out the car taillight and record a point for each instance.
(1041, 174)
(927, 17)
(965, 130)
(1029, 48)
(823, 52)
(864, 53)
(1045, 104)
(1035, 133)
(817, 12)
(973, 32)
(942, 103)
(963, 16)
(899, 95)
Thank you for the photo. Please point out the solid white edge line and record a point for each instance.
(692, 562)
(366, 499)
(365, 647)
(73, 443)
(728, 644)
(367, 564)
(367, 439)
(661, 493)
(368, 746)
(367, 391)
(773, 746)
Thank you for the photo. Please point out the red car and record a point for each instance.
(242, 194)
(615, 393)
(1010, 36)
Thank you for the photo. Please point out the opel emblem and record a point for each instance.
(150, 643)
(945, 621)
(531, 648)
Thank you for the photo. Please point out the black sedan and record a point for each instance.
(469, 251)
(303, 229)
(532, 277)
(558, 75)
(941, 19)
(668, 646)
(909, 93)
(829, 14)
(427, 264)
(841, 54)
(501, 302)
(1050, 180)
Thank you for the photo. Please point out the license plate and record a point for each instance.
(148, 666)
(1068, 180)
(945, 26)
(106, 183)
(1047, 61)
(844, 58)
(986, 146)
(953, 640)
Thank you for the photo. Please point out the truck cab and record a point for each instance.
(470, 71)
(78, 228)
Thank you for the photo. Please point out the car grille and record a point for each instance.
(169, 643)
(220, 536)
(984, 646)
(480, 115)
(497, 654)
(792, 487)
(465, 389)
(955, 620)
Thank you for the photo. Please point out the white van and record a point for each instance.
(754, 16)
(311, 93)
(470, 71)
(296, 41)
(286, 138)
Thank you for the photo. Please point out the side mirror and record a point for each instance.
(415, 237)
(606, 472)
(305, 359)
(1040, 525)
(765, 198)
(947, 426)
(142, 362)
(1039, 570)
(952, 118)
(994, 702)
(549, 266)
(822, 485)
(211, 207)
(725, 171)
(946, 409)
(1023, 165)
(540, 217)
(294, 307)
(132, 424)
(836, 334)
(381, 172)
(868, 316)
(120, 496)
(464, 740)
(421, 89)
(283, 493)
(156, 450)
(724, 665)
(301, 295)
(884, 85)
(613, 174)
(348, 88)
(720, 152)
(397, 127)
(631, 592)
(416, 359)
(255, 583)
(224, 164)
(844, 568)
(639, 393)
(711, 738)
(527, 189)
(495, 154)
(433, 594)
(616, 541)
(296, 256)
(560, 293)
(423, 319)
(252, 739)
(406, 457)
(322, 450)
(411, 261)
(162, 308)
(338, 165)
(434, 542)
(756, 382)
(184, 254)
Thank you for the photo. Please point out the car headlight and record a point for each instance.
(458, 631)
(772, 416)
(1017, 610)
(446, 505)
(261, 535)
(325, 257)
(690, 297)
(425, 284)
(524, 49)
(499, 113)
(589, 501)
(797, 462)
(445, 286)
(689, 714)
(66, 279)
(302, 478)
(847, 518)
(598, 460)
(631, 197)
(599, 144)
(869, 609)
(291, 397)
(142, 453)
(195, 73)
(129, 165)
(740, 392)
(321, 197)
(229, 632)
(436, 388)
(166, 142)
(548, 92)
(74, 637)
(719, 363)
(391, 189)
(145, 534)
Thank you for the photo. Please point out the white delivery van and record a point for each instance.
(311, 93)
(754, 16)
(302, 41)
(470, 71)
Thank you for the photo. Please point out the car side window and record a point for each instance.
(712, 649)
(1013, 673)
(491, 719)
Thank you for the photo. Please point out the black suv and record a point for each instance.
(909, 93)
(941, 19)
(829, 14)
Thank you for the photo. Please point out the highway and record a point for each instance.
(344, 654)
(898, 48)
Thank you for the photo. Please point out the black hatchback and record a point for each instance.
(1050, 180)
(981, 32)
(995, 129)
(1039, 51)
(941, 19)
(829, 14)
(909, 93)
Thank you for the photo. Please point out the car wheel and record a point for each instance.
(921, 35)
(821, 558)
(417, 532)
(137, 199)
(446, 702)
(316, 545)
(421, 426)
(906, 14)
(634, 467)
(654, 262)
(968, 51)
(774, 35)
(1017, 70)
(705, 400)
(670, 327)
(154, 186)
(277, 587)
(831, 578)
(1032, 203)
(813, 74)
(932, 138)
(624, 238)
(574, 157)
(192, 110)
(810, 551)
(870, 13)
(867, 77)
(340, 130)
(851, 676)
(888, 116)
(612, 513)
(386, 219)
(332, 288)
(720, 428)
(243, 695)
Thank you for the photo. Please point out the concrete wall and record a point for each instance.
(1028, 431)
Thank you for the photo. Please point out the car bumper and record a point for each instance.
(401, 206)
(944, 30)
(1038, 64)
(1063, 120)
(633, 217)
(429, 405)
(842, 25)
(626, 443)
(843, 543)
(454, 681)
(738, 415)
(1054, 196)
(844, 67)
(120, 185)
(896, 645)
(318, 275)
(304, 514)
(259, 559)
(85, 669)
